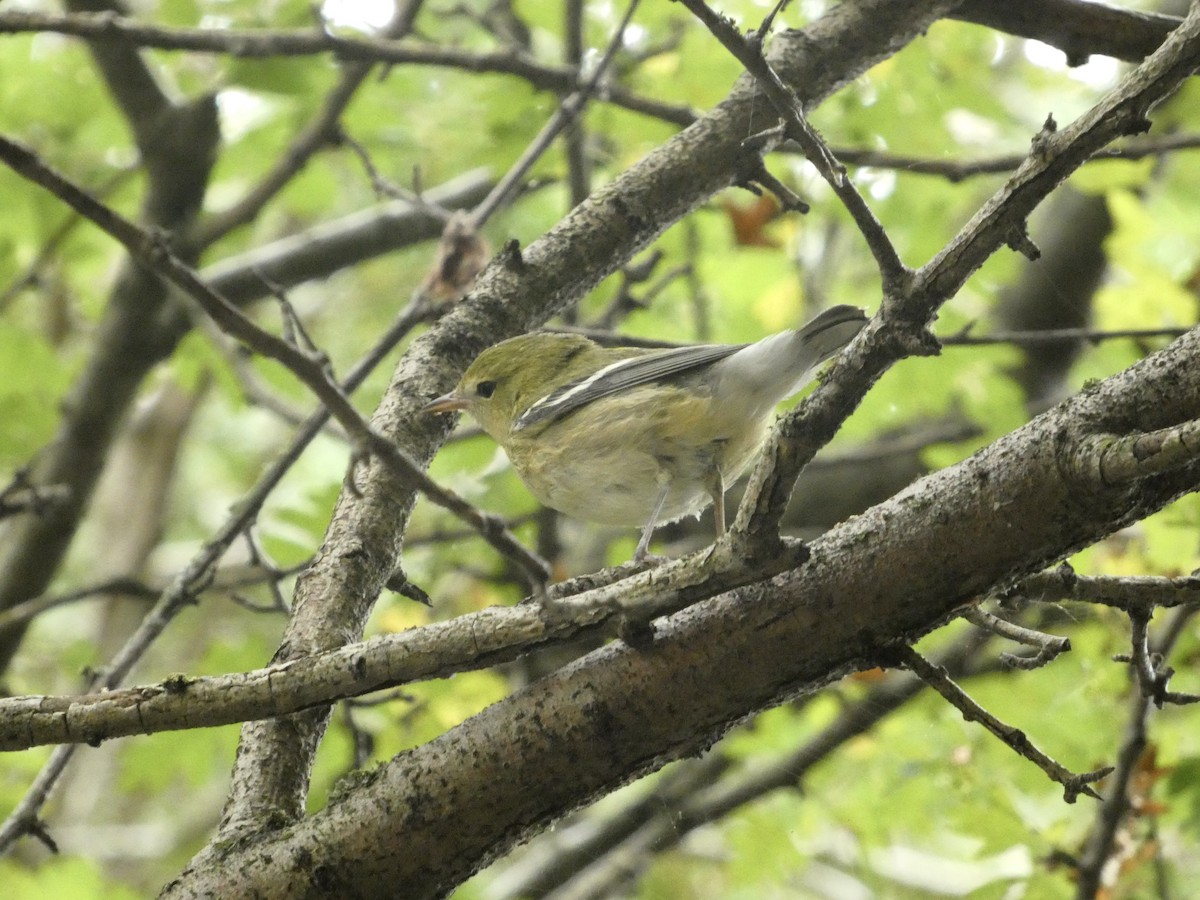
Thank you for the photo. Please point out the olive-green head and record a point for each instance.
(505, 379)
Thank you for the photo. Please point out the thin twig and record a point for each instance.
(1150, 682)
(955, 171)
(181, 591)
(568, 110)
(1049, 646)
(1055, 335)
(1116, 805)
(266, 43)
(1119, 801)
(153, 251)
(322, 131)
(936, 677)
(1129, 593)
(27, 610)
(748, 51)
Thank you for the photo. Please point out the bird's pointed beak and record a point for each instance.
(451, 402)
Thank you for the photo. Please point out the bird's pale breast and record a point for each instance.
(635, 444)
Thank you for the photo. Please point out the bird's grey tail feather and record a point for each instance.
(831, 330)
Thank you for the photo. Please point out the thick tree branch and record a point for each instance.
(900, 329)
(1079, 28)
(892, 573)
(514, 294)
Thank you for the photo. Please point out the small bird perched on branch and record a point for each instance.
(633, 436)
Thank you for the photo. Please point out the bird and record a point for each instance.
(632, 436)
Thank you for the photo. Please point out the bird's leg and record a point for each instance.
(643, 548)
(716, 489)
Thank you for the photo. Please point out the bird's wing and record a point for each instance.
(621, 375)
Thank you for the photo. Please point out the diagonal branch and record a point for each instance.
(153, 252)
(518, 292)
(749, 52)
(901, 328)
(320, 132)
(466, 643)
(890, 574)
(935, 676)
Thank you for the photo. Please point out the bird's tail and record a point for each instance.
(764, 373)
(830, 331)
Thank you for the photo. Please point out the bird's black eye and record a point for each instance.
(485, 389)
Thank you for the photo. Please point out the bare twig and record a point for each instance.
(1049, 646)
(935, 676)
(324, 130)
(748, 51)
(1132, 593)
(153, 251)
(307, 42)
(1115, 805)
(955, 170)
(960, 339)
(275, 574)
(1119, 797)
(1054, 335)
(29, 609)
(1150, 680)
(1151, 672)
(568, 110)
(579, 166)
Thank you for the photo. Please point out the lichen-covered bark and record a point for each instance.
(513, 295)
(432, 816)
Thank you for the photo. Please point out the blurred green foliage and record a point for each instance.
(924, 804)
